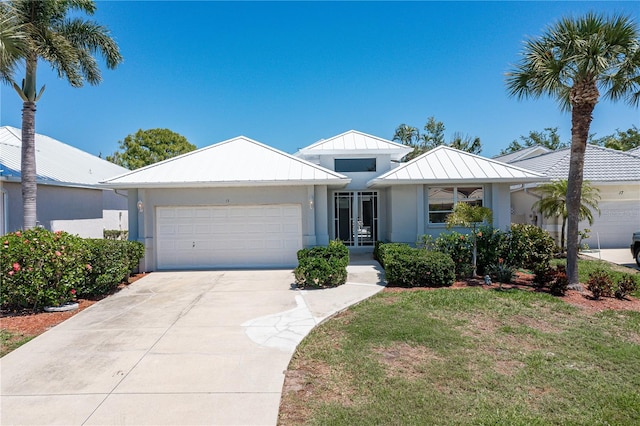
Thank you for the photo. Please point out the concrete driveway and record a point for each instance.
(181, 348)
(620, 256)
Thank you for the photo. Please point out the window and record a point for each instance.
(354, 165)
(442, 199)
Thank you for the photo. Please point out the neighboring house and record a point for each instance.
(522, 154)
(69, 196)
(634, 151)
(615, 173)
(240, 203)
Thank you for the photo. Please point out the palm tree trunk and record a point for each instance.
(562, 234)
(584, 96)
(28, 165)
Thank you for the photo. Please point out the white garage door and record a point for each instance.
(615, 225)
(228, 236)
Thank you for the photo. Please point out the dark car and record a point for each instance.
(635, 247)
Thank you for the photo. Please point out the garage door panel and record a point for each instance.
(227, 236)
(614, 226)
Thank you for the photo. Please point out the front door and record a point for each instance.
(356, 217)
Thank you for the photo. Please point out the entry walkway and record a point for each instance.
(179, 348)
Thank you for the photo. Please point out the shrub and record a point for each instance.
(460, 248)
(390, 249)
(626, 285)
(419, 268)
(600, 284)
(109, 262)
(41, 268)
(543, 275)
(501, 272)
(559, 284)
(115, 234)
(321, 267)
(491, 248)
(528, 246)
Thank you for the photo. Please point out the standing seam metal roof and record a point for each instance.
(56, 162)
(445, 164)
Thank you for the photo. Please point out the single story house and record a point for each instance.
(69, 195)
(615, 173)
(240, 203)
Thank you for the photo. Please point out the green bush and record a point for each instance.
(115, 234)
(411, 267)
(459, 248)
(390, 249)
(109, 263)
(320, 267)
(528, 246)
(500, 272)
(41, 268)
(491, 247)
(560, 283)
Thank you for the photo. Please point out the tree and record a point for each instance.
(469, 216)
(149, 146)
(553, 203)
(12, 43)
(622, 141)
(52, 32)
(432, 137)
(547, 138)
(571, 62)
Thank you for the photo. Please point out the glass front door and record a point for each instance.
(356, 217)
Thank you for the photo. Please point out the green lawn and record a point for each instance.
(10, 341)
(468, 356)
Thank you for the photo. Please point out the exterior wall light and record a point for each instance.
(140, 206)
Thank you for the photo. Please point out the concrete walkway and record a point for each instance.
(174, 348)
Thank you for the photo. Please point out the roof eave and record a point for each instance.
(379, 183)
(234, 184)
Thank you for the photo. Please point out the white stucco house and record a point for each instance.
(69, 195)
(615, 173)
(240, 203)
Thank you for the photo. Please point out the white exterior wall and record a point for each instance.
(78, 211)
(358, 179)
(152, 198)
(613, 228)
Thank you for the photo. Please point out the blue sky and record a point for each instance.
(288, 74)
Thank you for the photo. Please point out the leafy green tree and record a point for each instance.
(469, 216)
(554, 203)
(547, 138)
(432, 137)
(51, 31)
(148, 147)
(622, 141)
(572, 62)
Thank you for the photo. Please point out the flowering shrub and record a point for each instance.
(40, 268)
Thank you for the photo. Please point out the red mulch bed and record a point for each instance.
(524, 282)
(32, 324)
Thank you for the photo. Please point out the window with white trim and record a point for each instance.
(441, 200)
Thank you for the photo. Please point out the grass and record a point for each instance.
(468, 356)
(10, 341)
(586, 267)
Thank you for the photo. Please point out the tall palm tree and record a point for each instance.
(554, 203)
(67, 44)
(573, 61)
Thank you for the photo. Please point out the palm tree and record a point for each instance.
(553, 203)
(12, 43)
(573, 61)
(67, 44)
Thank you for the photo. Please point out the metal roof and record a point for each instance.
(354, 142)
(235, 162)
(521, 154)
(446, 165)
(600, 164)
(634, 151)
(56, 163)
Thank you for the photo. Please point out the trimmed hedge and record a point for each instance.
(41, 268)
(321, 267)
(411, 267)
(109, 263)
